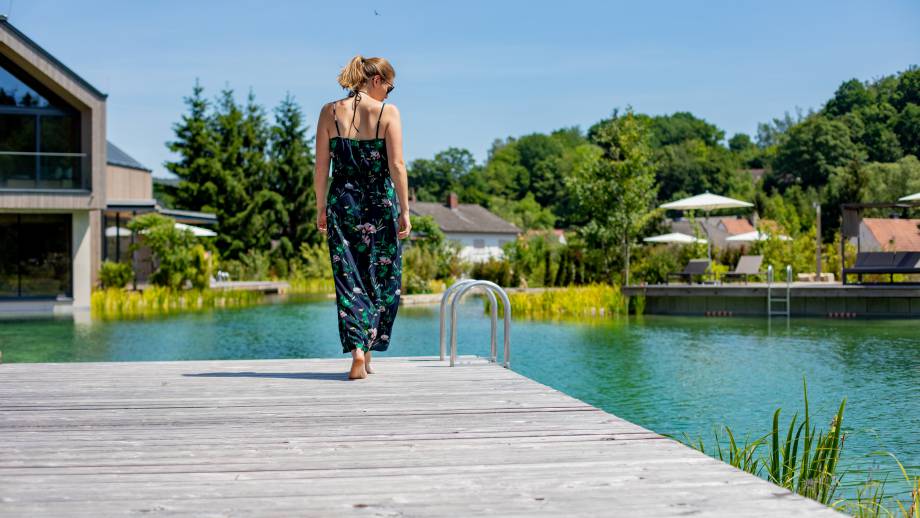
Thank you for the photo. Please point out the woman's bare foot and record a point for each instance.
(357, 365)
(367, 362)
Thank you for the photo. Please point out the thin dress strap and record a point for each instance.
(377, 132)
(336, 120)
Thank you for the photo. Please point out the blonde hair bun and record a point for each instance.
(356, 73)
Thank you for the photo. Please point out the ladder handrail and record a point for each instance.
(506, 307)
(447, 296)
(770, 299)
(788, 289)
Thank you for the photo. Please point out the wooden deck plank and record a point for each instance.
(296, 438)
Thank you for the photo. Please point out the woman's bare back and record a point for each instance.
(365, 119)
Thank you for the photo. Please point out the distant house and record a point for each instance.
(65, 191)
(889, 235)
(719, 229)
(480, 232)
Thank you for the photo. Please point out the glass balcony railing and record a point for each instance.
(27, 170)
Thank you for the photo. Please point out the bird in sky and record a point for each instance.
(376, 13)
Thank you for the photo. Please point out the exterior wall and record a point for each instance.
(92, 110)
(867, 241)
(491, 244)
(122, 183)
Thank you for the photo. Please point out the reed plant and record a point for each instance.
(115, 303)
(872, 502)
(571, 302)
(805, 460)
(311, 285)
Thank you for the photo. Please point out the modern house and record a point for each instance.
(889, 235)
(63, 186)
(480, 233)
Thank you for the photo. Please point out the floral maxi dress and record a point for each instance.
(362, 213)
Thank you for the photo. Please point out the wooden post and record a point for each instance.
(818, 242)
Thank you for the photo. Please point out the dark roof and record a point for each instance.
(118, 157)
(47, 55)
(467, 217)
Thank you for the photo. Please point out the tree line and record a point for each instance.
(603, 183)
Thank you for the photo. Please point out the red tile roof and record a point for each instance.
(895, 235)
(735, 226)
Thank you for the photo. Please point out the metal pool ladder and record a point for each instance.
(782, 301)
(453, 294)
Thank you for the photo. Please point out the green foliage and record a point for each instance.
(498, 271)
(573, 302)
(692, 167)
(201, 177)
(179, 259)
(878, 121)
(830, 255)
(799, 252)
(429, 257)
(532, 257)
(654, 265)
(315, 261)
(907, 127)
(254, 176)
(876, 182)
(157, 301)
(115, 275)
(615, 190)
(433, 179)
(810, 152)
(252, 265)
(291, 164)
(803, 460)
(666, 130)
(420, 265)
(526, 213)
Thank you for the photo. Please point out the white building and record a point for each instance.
(480, 232)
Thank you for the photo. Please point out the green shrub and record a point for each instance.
(420, 265)
(179, 259)
(314, 261)
(498, 271)
(115, 275)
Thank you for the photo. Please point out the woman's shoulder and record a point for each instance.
(392, 109)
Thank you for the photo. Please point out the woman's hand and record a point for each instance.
(321, 220)
(404, 225)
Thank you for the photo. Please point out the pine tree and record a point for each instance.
(236, 156)
(198, 167)
(292, 164)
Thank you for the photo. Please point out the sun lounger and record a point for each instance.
(748, 265)
(694, 267)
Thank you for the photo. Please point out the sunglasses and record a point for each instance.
(390, 86)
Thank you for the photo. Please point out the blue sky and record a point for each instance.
(470, 72)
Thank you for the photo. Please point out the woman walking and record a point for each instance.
(365, 212)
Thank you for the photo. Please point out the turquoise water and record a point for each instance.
(668, 374)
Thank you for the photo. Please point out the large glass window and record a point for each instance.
(39, 136)
(35, 259)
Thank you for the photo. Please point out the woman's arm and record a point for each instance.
(321, 173)
(397, 166)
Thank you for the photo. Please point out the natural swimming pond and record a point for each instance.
(668, 374)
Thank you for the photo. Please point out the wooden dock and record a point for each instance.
(288, 438)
